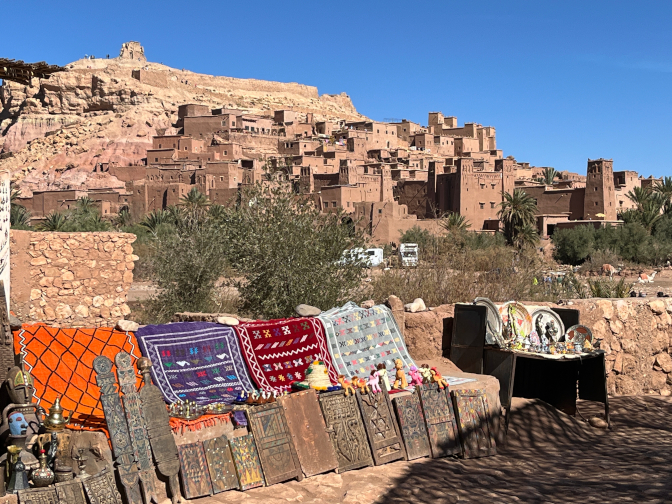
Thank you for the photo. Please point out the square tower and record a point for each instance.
(600, 199)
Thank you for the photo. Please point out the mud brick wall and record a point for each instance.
(635, 333)
(71, 279)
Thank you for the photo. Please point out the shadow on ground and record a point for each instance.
(552, 457)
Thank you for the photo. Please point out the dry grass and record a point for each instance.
(459, 273)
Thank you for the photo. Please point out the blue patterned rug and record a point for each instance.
(196, 361)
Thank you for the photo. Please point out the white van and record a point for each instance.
(370, 257)
(409, 254)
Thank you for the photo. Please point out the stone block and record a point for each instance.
(657, 306)
(35, 294)
(81, 272)
(98, 301)
(38, 261)
(82, 311)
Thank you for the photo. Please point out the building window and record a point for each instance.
(221, 179)
(482, 186)
(233, 123)
(620, 203)
(326, 204)
(348, 204)
(185, 148)
(594, 188)
(380, 210)
(492, 204)
(596, 203)
(482, 205)
(225, 153)
(159, 146)
(223, 123)
(156, 159)
(333, 204)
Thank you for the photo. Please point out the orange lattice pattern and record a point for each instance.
(61, 363)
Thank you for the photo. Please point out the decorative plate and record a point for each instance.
(546, 320)
(579, 334)
(521, 318)
(494, 321)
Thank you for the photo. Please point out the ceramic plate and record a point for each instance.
(521, 318)
(543, 316)
(579, 334)
(494, 321)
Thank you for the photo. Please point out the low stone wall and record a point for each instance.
(635, 333)
(71, 279)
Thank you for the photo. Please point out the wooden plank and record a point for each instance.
(473, 421)
(309, 432)
(274, 443)
(412, 426)
(440, 420)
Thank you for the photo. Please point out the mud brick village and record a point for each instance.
(448, 345)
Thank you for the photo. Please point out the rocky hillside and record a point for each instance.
(55, 131)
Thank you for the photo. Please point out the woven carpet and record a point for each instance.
(195, 361)
(61, 363)
(359, 339)
(278, 352)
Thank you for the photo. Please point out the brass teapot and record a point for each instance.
(55, 420)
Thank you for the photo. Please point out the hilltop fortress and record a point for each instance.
(138, 135)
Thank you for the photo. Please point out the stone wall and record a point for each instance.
(635, 333)
(71, 279)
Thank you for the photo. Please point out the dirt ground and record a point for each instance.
(662, 282)
(549, 457)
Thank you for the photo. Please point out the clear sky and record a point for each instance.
(561, 81)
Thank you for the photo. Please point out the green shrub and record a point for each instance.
(573, 246)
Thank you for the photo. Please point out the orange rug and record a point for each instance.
(61, 363)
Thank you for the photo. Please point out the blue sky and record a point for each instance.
(562, 81)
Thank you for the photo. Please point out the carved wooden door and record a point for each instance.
(412, 426)
(346, 429)
(440, 420)
(381, 427)
(473, 420)
(274, 443)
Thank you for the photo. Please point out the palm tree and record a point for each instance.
(454, 222)
(154, 219)
(55, 221)
(526, 235)
(549, 176)
(85, 205)
(123, 218)
(195, 200)
(664, 187)
(19, 217)
(639, 196)
(518, 210)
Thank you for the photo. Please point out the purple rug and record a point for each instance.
(195, 361)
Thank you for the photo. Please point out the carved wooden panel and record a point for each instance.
(136, 425)
(309, 432)
(194, 471)
(346, 429)
(473, 421)
(246, 461)
(158, 429)
(220, 464)
(116, 425)
(38, 496)
(412, 426)
(381, 427)
(274, 442)
(70, 492)
(102, 489)
(440, 420)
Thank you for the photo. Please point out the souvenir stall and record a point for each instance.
(532, 352)
(191, 409)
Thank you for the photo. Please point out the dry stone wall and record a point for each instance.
(71, 279)
(635, 333)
